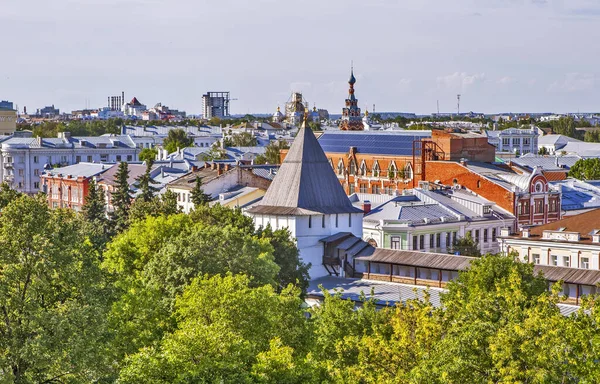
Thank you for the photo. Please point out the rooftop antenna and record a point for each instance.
(438, 107)
(373, 107)
(458, 104)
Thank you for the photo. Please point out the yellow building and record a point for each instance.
(8, 121)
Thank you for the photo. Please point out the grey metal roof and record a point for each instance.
(419, 259)
(395, 143)
(386, 293)
(548, 163)
(80, 169)
(305, 183)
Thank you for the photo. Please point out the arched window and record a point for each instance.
(392, 170)
(352, 167)
(376, 169)
(340, 168)
(363, 169)
(478, 183)
(408, 172)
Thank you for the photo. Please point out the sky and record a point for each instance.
(408, 55)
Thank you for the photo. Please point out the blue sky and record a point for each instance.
(501, 55)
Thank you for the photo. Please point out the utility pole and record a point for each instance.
(458, 104)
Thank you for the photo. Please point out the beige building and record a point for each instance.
(8, 121)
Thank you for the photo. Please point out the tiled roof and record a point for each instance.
(583, 223)
(394, 143)
(188, 181)
(305, 183)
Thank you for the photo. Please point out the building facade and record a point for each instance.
(68, 187)
(215, 104)
(24, 158)
(514, 141)
(8, 121)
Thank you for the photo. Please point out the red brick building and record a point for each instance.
(67, 187)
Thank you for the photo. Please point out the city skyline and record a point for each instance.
(407, 54)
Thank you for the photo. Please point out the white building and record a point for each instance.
(24, 158)
(431, 221)
(555, 143)
(133, 108)
(307, 198)
(515, 140)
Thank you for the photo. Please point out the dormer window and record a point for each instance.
(352, 167)
(363, 169)
(392, 170)
(376, 169)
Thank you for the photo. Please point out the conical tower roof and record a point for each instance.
(305, 183)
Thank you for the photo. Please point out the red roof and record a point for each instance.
(135, 102)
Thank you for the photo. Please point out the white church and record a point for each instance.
(307, 198)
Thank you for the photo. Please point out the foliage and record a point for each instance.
(543, 151)
(53, 298)
(564, 126)
(148, 154)
(7, 195)
(197, 194)
(314, 125)
(224, 323)
(121, 198)
(272, 153)
(144, 184)
(177, 139)
(94, 214)
(466, 246)
(215, 153)
(243, 139)
(165, 205)
(586, 169)
(592, 136)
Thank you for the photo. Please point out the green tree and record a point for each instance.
(148, 154)
(243, 139)
(7, 195)
(466, 246)
(144, 184)
(543, 151)
(177, 138)
(164, 205)
(224, 323)
(564, 126)
(53, 299)
(197, 194)
(272, 153)
(586, 169)
(94, 214)
(121, 198)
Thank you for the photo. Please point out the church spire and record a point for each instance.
(351, 116)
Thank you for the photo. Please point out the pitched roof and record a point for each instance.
(394, 143)
(583, 223)
(305, 183)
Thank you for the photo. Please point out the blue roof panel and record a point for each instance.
(398, 143)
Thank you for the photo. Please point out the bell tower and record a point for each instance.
(351, 116)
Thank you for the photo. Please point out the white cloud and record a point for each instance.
(460, 81)
(506, 80)
(574, 82)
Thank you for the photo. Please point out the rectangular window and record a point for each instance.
(36, 185)
(566, 261)
(487, 209)
(20, 172)
(351, 188)
(323, 221)
(118, 157)
(349, 220)
(506, 141)
(536, 258)
(585, 263)
(494, 234)
(376, 189)
(477, 239)
(363, 188)
(104, 158)
(36, 159)
(438, 240)
(485, 235)
(36, 172)
(336, 220)
(453, 237)
(554, 260)
(448, 239)
(89, 159)
(78, 159)
(395, 242)
(526, 141)
(414, 243)
(422, 242)
(309, 221)
(431, 241)
(129, 158)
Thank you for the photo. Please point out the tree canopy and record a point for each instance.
(177, 138)
(586, 169)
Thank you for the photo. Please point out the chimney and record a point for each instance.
(525, 233)
(366, 206)
(213, 166)
(227, 167)
(219, 170)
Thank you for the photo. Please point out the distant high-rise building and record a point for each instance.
(48, 111)
(295, 108)
(351, 117)
(6, 104)
(115, 103)
(215, 104)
